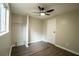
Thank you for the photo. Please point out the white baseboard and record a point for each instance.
(66, 49)
(51, 43)
(35, 41)
(44, 40)
(10, 51)
(13, 45)
(26, 45)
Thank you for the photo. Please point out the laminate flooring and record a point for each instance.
(40, 49)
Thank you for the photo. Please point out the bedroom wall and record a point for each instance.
(5, 40)
(67, 30)
(67, 26)
(19, 29)
(36, 30)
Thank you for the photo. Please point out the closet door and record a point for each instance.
(17, 36)
(18, 30)
(51, 30)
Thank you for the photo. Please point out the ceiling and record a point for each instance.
(29, 8)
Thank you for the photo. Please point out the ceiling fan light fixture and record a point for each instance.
(42, 14)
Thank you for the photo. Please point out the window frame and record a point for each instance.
(6, 19)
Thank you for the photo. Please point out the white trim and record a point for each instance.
(45, 40)
(3, 33)
(7, 20)
(10, 51)
(34, 41)
(26, 45)
(48, 42)
(64, 48)
(67, 49)
(13, 45)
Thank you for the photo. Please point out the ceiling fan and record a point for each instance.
(43, 12)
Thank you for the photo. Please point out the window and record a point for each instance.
(4, 19)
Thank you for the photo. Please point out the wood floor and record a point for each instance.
(40, 49)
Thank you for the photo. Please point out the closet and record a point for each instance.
(20, 26)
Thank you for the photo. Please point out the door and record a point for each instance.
(19, 25)
(51, 30)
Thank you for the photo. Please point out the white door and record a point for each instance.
(51, 30)
(18, 30)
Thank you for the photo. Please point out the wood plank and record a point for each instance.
(40, 49)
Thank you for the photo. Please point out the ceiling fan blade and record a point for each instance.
(42, 8)
(39, 8)
(50, 10)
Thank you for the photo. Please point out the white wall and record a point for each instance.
(20, 26)
(44, 38)
(5, 42)
(36, 30)
(67, 30)
(67, 33)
